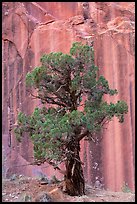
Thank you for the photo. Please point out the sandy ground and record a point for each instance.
(26, 189)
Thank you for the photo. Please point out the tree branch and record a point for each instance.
(83, 135)
(101, 121)
(60, 87)
(64, 99)
(55, 166)
(47, 98)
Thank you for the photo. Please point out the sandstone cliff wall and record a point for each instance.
(32, 28)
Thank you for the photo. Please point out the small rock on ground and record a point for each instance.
(44, 197)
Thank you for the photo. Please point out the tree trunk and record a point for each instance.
(74, 178)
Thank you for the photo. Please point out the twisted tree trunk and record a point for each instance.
(74, 178)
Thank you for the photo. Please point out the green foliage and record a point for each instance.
(125, 188)
(81, 52)
(63, 80)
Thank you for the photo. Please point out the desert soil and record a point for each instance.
(27, 189)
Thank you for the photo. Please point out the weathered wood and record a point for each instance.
(74, 178)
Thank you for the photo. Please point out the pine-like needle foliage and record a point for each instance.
(70, 83)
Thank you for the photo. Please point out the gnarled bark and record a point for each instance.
(74, 178)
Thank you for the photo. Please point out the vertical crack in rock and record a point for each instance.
(12, 72)
(9, 123)
(11, 42)
(131, 119)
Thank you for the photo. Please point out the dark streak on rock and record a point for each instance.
(5, 40)
(46, 23)
(17, 96)
(131, 117)
(19, 65)
(86, 13)
(11, 77)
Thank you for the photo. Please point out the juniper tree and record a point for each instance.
(71, 85)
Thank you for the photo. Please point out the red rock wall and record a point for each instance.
(32, 28)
